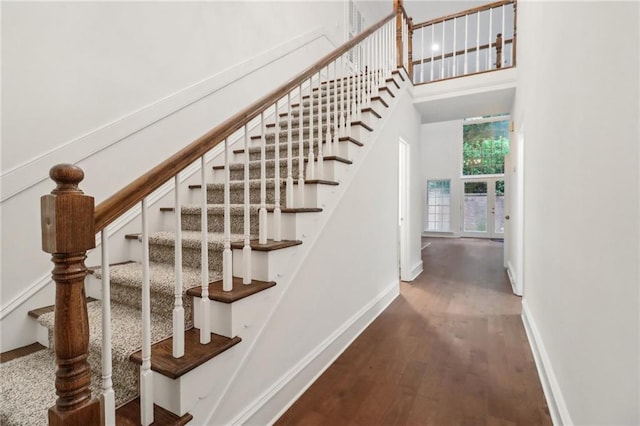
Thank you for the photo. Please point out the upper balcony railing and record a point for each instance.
(473, 41)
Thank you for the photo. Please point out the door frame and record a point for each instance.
(403, 209)
(491, 198)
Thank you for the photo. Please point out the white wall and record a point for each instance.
(118, 87)
(441, 158)
(581, 207)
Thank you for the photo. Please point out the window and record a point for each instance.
(484, 146)
(438, 205)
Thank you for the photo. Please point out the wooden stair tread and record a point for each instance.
(20, 352)
(35, 313)
(382, 101)
(129, 415)
(269, 246)
(195, 353)
(385, 88)
(238, 292)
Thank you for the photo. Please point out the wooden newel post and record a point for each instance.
(499, 51)
(67, 233)
(397, 6)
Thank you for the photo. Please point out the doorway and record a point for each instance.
(483, 207)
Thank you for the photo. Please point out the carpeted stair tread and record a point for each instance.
(192, 239)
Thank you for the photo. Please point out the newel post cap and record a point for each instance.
(67, 213)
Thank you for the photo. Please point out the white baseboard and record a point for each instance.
(415, 271)
(285, 391)
(35, 170)
(511, 273)
(557, 406)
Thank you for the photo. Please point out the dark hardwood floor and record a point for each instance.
(450, 350)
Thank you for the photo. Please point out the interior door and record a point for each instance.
(483, 208)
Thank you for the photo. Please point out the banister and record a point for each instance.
(114, 206)
(463, 13)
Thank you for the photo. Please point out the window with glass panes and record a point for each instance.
(484, 147)
(438, 205)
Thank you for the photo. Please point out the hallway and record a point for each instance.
(450, 350)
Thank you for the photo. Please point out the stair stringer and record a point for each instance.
(262, 382)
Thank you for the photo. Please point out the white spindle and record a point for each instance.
(433, 35)
(489, 65)
(205, 326)
(107, 396)
(422, 55)
(347, 96)
(146, 377)
(504, 35)
(289, 153)
(311, 167)
(277, 212)
(328, 142)
(478, 43)
(227, 259)
(262, 213)
(336, 135)
(466, 30)
(300, 201)
(247, 274)
(442, 51)
(178, 309)
(320, 171)
(343, 118)
(455, 36)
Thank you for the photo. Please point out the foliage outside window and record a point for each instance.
(438, 205)
(484, 147)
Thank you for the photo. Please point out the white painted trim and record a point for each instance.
(557, 406)
(512, 279)
(415, 271)
(371, 311)
(26, 294)
(35, 170)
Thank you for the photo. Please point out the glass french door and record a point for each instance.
(483, 208)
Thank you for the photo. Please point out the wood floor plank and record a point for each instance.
(450, 350)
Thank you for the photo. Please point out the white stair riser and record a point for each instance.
(266, 266)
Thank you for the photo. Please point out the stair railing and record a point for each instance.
(332, 93)
(473, 41)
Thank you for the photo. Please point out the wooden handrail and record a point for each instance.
(458, 53)
(114, 206)
(463, 13)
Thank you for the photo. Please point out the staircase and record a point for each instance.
(287, 177)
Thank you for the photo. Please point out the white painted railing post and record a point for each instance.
(336, 130)
(277, 212)
(289, 189)
(504, 35)
(262, 213)
(466, 36)
(311, 167)
(328, 143)
(205, 326)
(478, 42)
(227, 259)
(455, 30)
(107, 397)
(246, 249)
(146, 377)
(433, 34)
(442, 50)
(320, 171)
(300, 201)
(178, 309)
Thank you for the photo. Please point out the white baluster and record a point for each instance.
(327, 147)
(290, 203)
(311, 167)
(466, 32)
(343, 118)
(277, 212)
(300, 201)
(107, 397)
(262, 213)
(247, 274)
(455, 29)
(478, 43)
(504, 36)
(433, 35)
(422, 55)
(205, 326)
(352, 93)
(442, 52)
(227, 259)
(146, 377)
(178, 309)
(489, 64)
(334, 142)
(320, 172)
